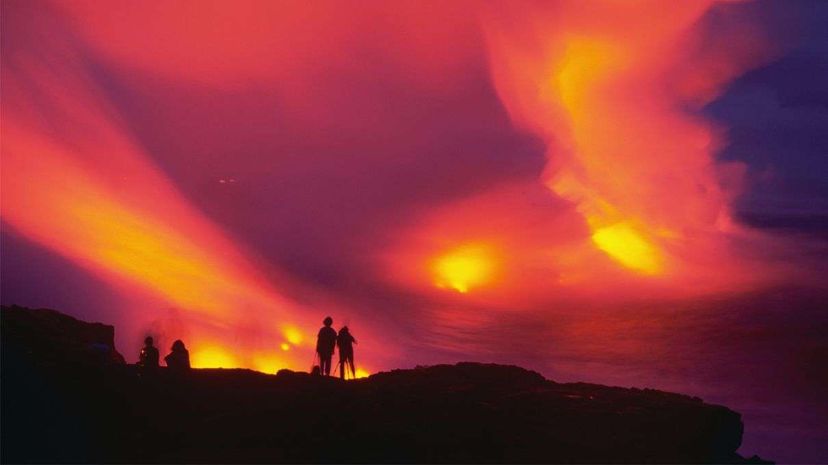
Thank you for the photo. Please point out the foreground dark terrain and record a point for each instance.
(67, 396)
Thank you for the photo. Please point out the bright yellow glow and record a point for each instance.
(213, 357)
(623, 243)
(586, 61)
(464, 268)
(293, 335)
(267, 364)
(360, 373)
(285, 346)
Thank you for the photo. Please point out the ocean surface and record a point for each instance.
(764, 355)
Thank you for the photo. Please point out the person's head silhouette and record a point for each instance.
(328, 321)
(148, 341)
(178, 346)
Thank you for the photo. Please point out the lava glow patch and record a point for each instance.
(623, 243)
(293, 335)
(464, 268)
(268, 364)
(213, 357)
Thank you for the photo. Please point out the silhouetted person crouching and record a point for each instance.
(345, 342)
(179, 359)
(325, 342)
(148, 358)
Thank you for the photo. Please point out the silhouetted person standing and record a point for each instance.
(325, 343)
(345, 342)
(148, 358)
(179, 359)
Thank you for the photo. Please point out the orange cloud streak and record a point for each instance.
(74, 182)
(612, 86)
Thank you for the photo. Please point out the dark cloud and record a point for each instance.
(777, 123)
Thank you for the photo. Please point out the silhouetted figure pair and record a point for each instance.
(325, 343)
(178, 360)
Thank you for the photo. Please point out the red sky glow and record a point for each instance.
(502, 181)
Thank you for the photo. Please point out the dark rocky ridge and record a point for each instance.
(67, 396)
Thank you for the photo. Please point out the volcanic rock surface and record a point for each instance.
(67, 396)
